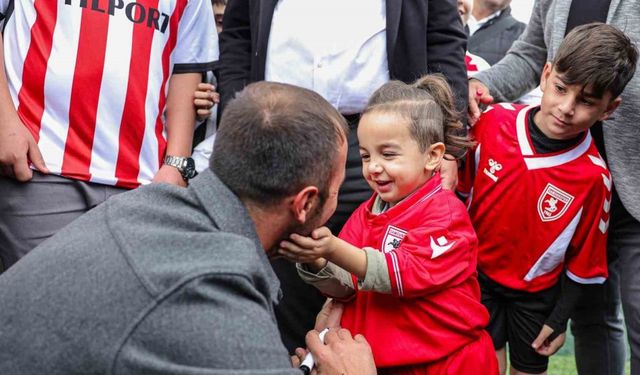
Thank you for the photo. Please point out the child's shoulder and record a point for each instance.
(444, 208)
(501, 114)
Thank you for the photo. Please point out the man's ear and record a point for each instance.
(611, 107)
(546, 72)
(434, 156)
(303, 203)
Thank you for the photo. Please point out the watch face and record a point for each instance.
(189, 170)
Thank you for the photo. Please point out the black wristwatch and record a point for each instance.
(186, 166)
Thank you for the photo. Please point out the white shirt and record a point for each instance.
(474, 25)
(336, 48)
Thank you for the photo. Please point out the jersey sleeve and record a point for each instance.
(197, 40)
(586, 260)
(431, 259)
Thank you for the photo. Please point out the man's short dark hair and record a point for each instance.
(219, 2)
(274, 139)
(597, 56)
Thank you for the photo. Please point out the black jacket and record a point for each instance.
(422, 37)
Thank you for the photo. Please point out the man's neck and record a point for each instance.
(269, 223)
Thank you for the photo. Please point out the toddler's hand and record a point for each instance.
(303, 249)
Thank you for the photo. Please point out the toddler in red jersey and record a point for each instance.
(405, 261)
(539, 197)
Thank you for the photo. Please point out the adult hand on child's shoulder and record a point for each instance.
(546, 347)
(478, 94)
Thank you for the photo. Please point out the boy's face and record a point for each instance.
(568, 110)
(392, 162)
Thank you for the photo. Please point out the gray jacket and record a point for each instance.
(520, 70)
(494, 38)
(159, 280)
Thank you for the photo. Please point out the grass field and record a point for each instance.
(566, 365)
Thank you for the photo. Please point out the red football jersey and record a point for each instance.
(90, 79)
(430, 248)
(535, 214)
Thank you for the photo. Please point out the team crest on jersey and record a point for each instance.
(553, 203)
(392, 238)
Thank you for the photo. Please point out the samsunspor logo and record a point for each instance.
(135, 12)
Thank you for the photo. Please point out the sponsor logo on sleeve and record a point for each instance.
(440, 246)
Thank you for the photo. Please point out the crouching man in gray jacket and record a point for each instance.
(171, 280)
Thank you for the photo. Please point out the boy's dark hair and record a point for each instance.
(274, 139)
(597, 56)
(219, 2)
(429, 107)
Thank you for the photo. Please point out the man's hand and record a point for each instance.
(169, 175)
(204, 99)
(17, 148)
(449, 173)
(341, 353)
(543, 346)
(303, 249)
(478, 94)
(329, 316)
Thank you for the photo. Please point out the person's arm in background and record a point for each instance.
(518, 72)
(181, 117)
(234, 68)
(446, 47)
(195, 51)
(17, 146)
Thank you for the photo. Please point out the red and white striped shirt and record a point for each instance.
(89, 79)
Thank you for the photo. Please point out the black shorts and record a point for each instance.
(517, 317)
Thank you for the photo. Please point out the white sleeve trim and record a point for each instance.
(581, 280)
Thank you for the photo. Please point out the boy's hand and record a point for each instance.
(478, 94)
(204, 99)
(17, 148)
(303, 249)
(543, 346)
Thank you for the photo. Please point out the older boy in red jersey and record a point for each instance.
(539, 195)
